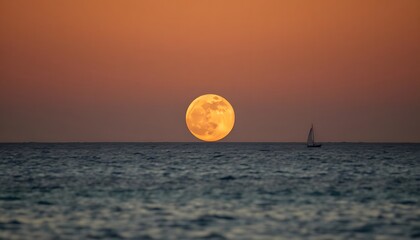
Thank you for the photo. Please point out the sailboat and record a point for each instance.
(311, 139)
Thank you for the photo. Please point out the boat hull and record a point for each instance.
(314, 146)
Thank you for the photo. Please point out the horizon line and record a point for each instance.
(216, 142)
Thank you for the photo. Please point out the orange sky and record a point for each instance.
(126, 70)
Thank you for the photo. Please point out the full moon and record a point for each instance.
(210, 117)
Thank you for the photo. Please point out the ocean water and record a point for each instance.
(209, 191)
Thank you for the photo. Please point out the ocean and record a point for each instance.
(209, 191)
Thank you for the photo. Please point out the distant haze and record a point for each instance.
(127, 70)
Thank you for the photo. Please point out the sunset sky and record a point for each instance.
(93, 70)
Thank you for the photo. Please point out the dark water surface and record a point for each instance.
(209, 191)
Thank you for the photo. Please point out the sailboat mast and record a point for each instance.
(313, 134)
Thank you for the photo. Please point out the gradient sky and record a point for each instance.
(82, 70)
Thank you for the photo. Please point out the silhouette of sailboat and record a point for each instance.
(311, 139)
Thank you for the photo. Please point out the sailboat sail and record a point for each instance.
(310, 141)
(311, 138)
